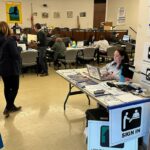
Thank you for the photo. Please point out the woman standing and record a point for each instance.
(9, 67)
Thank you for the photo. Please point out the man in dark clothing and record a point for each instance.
(9, 67)
(16, 29)
(41, 43)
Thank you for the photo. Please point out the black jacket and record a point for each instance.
(9, 57)
(41, 38)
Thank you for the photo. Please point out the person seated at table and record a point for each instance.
(91, 40)
(112, 70)
(59, 51)
(101, 48)
(16, 28)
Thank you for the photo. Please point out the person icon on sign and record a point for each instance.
(125, 118)
(135, 115)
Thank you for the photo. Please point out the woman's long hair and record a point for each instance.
(125, 57)
(4, 29)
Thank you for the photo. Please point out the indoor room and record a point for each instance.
(75, 75)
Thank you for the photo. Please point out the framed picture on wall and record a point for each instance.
(82, 14)
(44, 15)
(69, 14)
(56, 15)
(35, 14)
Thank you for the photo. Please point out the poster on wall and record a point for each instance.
(14, 12)
(121, 17)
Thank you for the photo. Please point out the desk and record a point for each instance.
(120, 105)
(69, 48)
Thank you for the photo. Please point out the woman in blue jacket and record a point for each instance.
(9, 67)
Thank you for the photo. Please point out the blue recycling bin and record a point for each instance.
(1, 142)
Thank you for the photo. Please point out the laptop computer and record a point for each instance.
(80, 44)
(126, 38)
(94, 72)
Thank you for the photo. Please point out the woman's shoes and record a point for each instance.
(11, 110)
(6, 113)
(44, 74)
(15, 109)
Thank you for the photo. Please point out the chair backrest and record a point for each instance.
(88, 53)
(110, 51)
(129, 47)
(22, 45)
(70, 56)
(29, 58)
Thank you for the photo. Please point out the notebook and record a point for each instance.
(94, 72)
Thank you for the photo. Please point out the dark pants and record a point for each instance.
(99, 53)
(56, 59)
(11, 86)
(42, 60)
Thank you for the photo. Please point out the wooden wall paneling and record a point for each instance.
(88, 34)
(78, 35)
(98, 35)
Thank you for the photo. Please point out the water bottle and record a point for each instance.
(121, 77)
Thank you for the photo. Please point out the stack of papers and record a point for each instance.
(78, 78)
(128, 97)
(89, 82)
(96, 90)
(109, 100)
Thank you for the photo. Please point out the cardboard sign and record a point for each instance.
(98, 138)
(129, 122)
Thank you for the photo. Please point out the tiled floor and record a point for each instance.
(42, 123)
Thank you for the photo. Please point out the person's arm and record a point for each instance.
(54, 47)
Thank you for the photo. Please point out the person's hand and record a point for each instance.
(111, 75)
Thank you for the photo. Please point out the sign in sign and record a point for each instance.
(131, 118)
(129, 122)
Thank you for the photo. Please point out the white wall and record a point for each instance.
(131, 8)
(61, 6)
(143, 34)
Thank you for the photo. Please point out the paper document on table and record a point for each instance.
(109, 100)
(114, 91)
(67, 72)
(83, 84)
(128, 97)
(96, 90)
